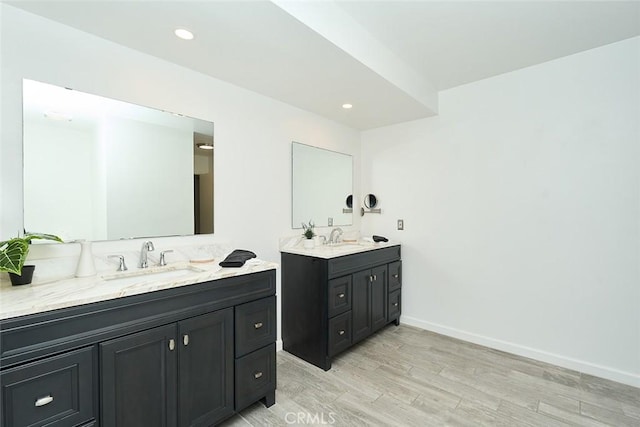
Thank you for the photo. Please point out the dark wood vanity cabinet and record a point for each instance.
(187, 356)
(330, 304)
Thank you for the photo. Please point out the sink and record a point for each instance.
(343, 246)
(151, 274)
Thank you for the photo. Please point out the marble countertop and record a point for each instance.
(295, 246)
(36, 298)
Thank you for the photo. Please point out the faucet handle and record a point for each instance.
(162, 259)
(122, 266)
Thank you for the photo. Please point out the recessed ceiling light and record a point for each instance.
(54, 115)
(184, 34)
(347, 106)
(205, 146)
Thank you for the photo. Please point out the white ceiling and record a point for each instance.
(387, 58)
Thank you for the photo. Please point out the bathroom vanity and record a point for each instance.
(334, 297)
(185, 354)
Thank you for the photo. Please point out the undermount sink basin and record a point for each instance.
(145, 275)
(349, 245)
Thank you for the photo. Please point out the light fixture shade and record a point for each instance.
(205, 146)
(183, 33)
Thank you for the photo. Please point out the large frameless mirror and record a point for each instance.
(101, 169)
(322, 181)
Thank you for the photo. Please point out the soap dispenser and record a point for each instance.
(86, 266)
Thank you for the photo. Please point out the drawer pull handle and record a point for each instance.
(172, 344)
(395, 304)
(340, 295)
(341, 332)
(185, 340)
(257, 375)
(257, 325)
(44, 400)
(375, 277)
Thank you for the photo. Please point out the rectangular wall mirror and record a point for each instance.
(322, 181)
(101, 169)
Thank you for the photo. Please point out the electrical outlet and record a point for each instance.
(401, 224)
(330, 222)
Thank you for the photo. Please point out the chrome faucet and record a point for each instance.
(146, 247)
(335, 235)
(121, 264)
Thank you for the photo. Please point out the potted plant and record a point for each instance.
(13, 253)
(309, 234)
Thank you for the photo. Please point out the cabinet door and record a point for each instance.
(378, 298)
(361, 305)
(206, 368)
(138, 379)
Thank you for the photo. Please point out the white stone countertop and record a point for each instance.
(295, 246)
(37, 298)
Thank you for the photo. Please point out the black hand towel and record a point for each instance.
(237, 258)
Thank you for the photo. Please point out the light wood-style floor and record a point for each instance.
(403, 376)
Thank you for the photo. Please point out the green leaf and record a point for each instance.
(31, 236)
(13, 254)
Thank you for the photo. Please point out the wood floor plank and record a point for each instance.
(569, 417)
(405, 376)
(607, 416)
(526, 417)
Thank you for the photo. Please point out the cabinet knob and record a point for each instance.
(44, 400)
(375, 277)
(341, 332)
(370, 279)
(395, 276)
(257, 375)
(395, 304)
(185, 339)
(340, 295)
(257, 325)
(172, 344)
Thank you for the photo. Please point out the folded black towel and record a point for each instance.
(237, 258)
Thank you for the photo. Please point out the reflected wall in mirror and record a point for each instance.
(100, 169)
(321, 182)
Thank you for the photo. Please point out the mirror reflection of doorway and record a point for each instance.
(196, 204)
(203, 186)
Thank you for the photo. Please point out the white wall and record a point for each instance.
(521, 203)
(253, 133)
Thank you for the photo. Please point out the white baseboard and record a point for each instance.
(555, 359)
(279, 346)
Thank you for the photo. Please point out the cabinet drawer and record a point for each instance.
(255, 325)
(57, 391)
(255, 376)
(394, 305)
(395, 275)
(339, 333)
(339, 295)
